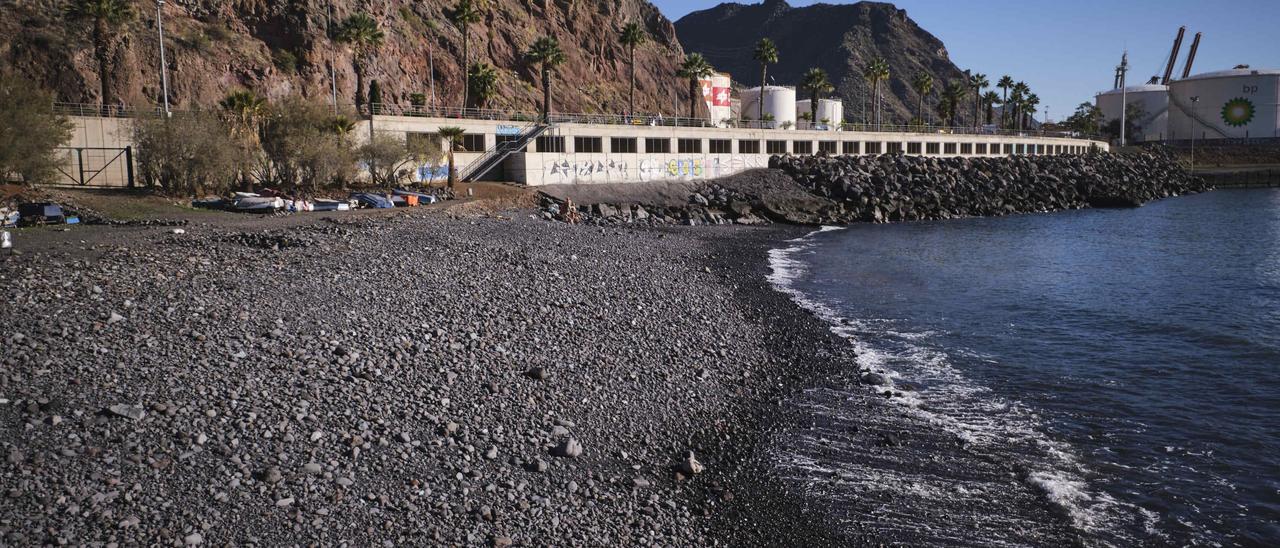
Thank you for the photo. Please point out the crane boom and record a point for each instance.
(1173, 56)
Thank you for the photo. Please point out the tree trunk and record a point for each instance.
(360, 99)
(977, 105)
(879, 119)
(546, 95)
(1004, 106)
(920, 110)
(631, 94)
(764, 77)
(813, 109)
(100, 53)
(693, 98)
(466, 63)
(453, 174)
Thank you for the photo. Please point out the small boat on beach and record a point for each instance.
(375, 201)
(422, 198)
(331, 205)
(253, 203)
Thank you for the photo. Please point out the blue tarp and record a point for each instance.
(376, 201)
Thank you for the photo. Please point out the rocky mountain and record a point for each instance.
(840, 39)
(281, 47)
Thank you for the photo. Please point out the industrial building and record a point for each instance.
(1240, 103)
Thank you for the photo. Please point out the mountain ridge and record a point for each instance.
(279, 49)
(839, 38)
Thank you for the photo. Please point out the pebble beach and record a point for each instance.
(416, 379)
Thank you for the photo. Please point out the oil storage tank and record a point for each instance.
(1153, 102)
(779, 104)
(718, 94)
(831, 110)
(1240, 103)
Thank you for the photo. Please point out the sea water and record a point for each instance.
(1123, 364)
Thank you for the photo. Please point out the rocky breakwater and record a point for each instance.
(908, 188)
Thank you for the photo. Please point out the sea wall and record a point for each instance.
(905, 188)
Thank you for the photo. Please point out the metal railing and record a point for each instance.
(105, 111)
(651, 120)
(485, 163)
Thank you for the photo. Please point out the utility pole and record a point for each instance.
(333, 72)
(164, 67)
(1123, 69)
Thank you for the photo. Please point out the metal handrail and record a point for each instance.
(651, 120)
(501, 148)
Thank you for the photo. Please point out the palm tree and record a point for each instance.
(979, 83)
(990, 99)
(546, 51)
(1004, 84)
(695, 67)
(877, 71)
(246, 109)
(1020, 92)
(815, 81)
(767, 54)
(361, 32)
(954, 97)
(483, 79)
(1032, 101)
(451, 135)
(633, 36)
(923, 83)
(340, 126)
(108, 16)
(465, 14)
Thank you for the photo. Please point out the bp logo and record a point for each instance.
(1237, 112)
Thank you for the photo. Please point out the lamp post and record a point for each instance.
(164, 67)
(1123, 69)
(1195, 100)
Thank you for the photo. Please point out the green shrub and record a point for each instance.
(284, 60)
(188, 153)
(30, 132)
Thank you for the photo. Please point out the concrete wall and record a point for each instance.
(83, 158)
(535, 167)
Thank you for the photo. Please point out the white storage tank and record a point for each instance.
(1239, 103)
(1153, 99)
(779, 102)
(831, 110)
(718, 94)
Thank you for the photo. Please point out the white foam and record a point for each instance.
(972, 412)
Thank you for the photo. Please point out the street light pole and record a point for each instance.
(1124, 96)
(1195, 100)
(333, 72)
(164, 67)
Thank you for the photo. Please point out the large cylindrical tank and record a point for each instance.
(831, 110)
(1232, 104)
(720, 100)
(1153, 102)
(779, 103)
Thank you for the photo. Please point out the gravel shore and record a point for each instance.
(416, 379)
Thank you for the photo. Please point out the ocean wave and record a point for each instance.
(929, 390)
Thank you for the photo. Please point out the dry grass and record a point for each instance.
(491, 199)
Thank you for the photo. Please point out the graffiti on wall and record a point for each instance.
(430, 174)
(566, 170)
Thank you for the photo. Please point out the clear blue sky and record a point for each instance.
(1067, 50)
